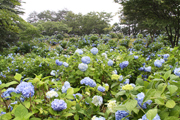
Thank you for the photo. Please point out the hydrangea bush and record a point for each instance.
(90, 83)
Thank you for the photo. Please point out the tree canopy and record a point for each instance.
(154, 15)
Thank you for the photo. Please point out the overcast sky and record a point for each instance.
(77, 6)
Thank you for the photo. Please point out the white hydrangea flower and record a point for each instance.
(111, 105)
(97, 100)
(51, 94)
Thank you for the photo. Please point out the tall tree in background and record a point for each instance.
(9, 21)
(165, 14)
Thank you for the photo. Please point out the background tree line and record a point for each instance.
(65, 21)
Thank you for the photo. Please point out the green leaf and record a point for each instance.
(67, 114)
(158, 79)
(167, 75)
(70, 91)
(159, 101)
(140, 81)
(76, 117)
(27, 104)
(172, 88)
(18, 76)
(173, 77)
(170, 104)
(8, 84)
(130, 105)
(6, 116)
(151, 114)
(78, 107)
(120, 93)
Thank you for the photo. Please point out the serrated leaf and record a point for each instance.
(170, 104)
(130, 105)
(159, 101)
(18, 76)
(167, 75)
(70, 91)
(172, 88)
(151, 114)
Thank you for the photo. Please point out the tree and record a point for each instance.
(10, 21)
(51, 27)
(165, 14)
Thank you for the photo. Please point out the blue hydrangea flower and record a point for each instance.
(166, 56)
(65, 64)
(24, 62)
(97, 100)
(155, 118)
(0, 82)
(162, 60)
(110, 62)
(157, 63)
(2, 113)
(58, 105)
(7, 93)
(124, 64)
(88, 81)
(26, 88)
(77, 94)
(147, 69)
(94, 50)
(59, 63)
(79, 51)
(136, 57)
(86, 60)
(141, 68)
(170, 66)
(120, 78)
(140, 98)
(65, 87)
(121, 114)
(101, 89)
(114, 72)
(126, 81)
(111, 50)
(83, 67)
(177, 71)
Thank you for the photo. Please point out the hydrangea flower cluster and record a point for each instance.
(53, 73)
(79, 51)
(83, 67)
(155, 118)
(121, 114)
(145, 69)
(86, 60)
(97, 100)
(59, 63)
(177, 71)
(88, 81)
(65, 87)
(65, 64)
(94, 50)
(98, 118)
(140, 98)
(111, 105)
(110, 62)
(136, 57)
(77, 94)
(124, 64)
(126, 81)
(7, 93)
(26, 88)
(127, 87)
(51, 94)
(101, 89)
(165, 56)
(115, 77)
(58, 105)
(158, 63)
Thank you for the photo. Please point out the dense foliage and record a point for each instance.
(78, 81)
